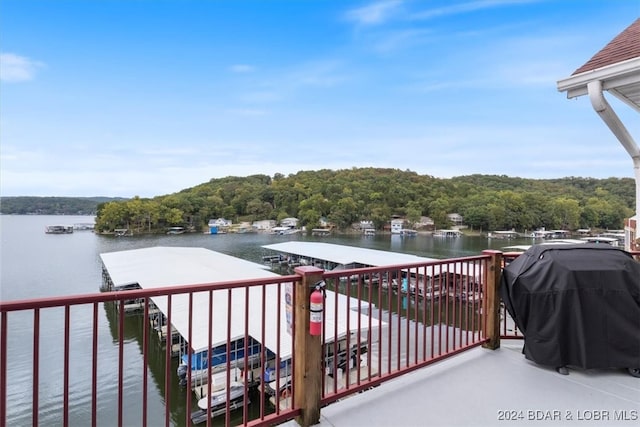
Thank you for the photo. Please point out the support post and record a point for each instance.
(492, 299)
(307, 351)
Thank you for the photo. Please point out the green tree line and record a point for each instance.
(31, 205)
(487, 202)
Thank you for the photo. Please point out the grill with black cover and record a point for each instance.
(576, 305)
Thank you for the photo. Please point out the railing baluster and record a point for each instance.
(94, 368)
(120, 362)
(294, 322)
(336, 344)
(434, 289)
(263, 350)
(36, 366)
(399, 323)
(347, 349)
(416, 329)
(145, 361)
(189, 352)
(210, 344)
(67, 344)
(246, 367)
(3, 369)
(227, 416)
(380, 321)
(167, 364)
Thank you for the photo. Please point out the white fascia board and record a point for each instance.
(612, 76)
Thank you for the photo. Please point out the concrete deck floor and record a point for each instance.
(493, 388)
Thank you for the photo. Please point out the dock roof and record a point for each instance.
(174, 266)
(345, 255)
(351, 255)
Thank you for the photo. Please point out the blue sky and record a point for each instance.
(141, 97)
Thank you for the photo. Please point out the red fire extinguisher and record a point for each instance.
(316, 307)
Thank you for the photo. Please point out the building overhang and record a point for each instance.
(621, 79)
(616, 70)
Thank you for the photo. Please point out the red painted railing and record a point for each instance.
(399, 318)
(417, 314)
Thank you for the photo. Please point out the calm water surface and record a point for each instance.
(34, 264)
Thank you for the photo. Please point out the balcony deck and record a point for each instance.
(482, 387)
(423, 357)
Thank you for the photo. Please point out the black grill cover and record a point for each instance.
(576, 305)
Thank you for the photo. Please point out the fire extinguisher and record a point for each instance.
(316, 307)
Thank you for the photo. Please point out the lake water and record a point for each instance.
(34, 264)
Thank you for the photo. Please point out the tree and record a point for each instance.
(413, 214)
(258, 208)
(343, 212)
(112, 215)
(173, 216)
(380, 216)
(309, 217)
(477, 217)
(566, 212)
(318, 203)
(438, 210)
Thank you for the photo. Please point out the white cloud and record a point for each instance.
(242, 68)
(382, 11)
(460, 8)
(394, 40)
(15, 68)
(375, 13)
(289, 82)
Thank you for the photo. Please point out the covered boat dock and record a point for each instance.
(330, 256)
(463, 276)
(174, 266)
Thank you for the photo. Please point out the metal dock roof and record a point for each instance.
(345, 255)
(173, 266)
(349, 255)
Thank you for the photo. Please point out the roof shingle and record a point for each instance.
(624, 46)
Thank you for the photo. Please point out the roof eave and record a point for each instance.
(611, 76)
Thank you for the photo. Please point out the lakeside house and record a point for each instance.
(425, 223)
(397, 224)
(289, 222)
(264, 225)
(220, 222)
(455, 219)
(218, 226)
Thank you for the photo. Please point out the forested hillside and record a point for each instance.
(487, 202)
(51, 205)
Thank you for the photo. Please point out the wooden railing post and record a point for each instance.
(492, 299)
(307, 350)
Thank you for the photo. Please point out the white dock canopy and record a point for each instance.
(350, 255)
(159, 267)
(345, 255)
